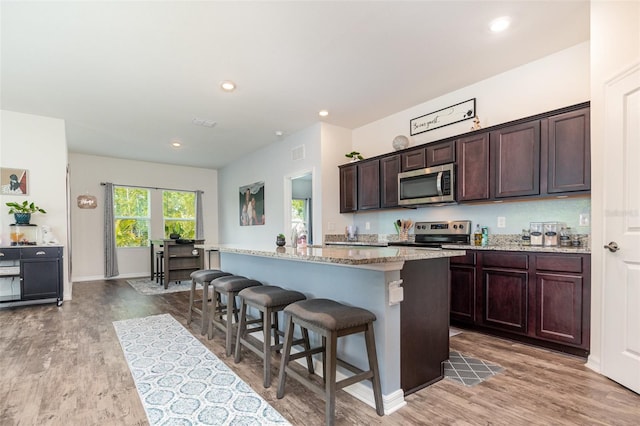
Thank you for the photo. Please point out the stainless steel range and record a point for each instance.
(435, 234)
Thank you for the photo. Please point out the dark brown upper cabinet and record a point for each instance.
(440, 153)
(566, 153)
(473, 167)
(414, 159)
(515, 153)
(348, 188)
(368, 184)
(389, 169)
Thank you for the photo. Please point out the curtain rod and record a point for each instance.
(153, 187)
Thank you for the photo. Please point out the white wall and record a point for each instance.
(336, 142)
(86, 174)
(555, 81)
(270, 165)
(615, 45)
(38, 144)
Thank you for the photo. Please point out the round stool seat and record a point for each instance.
(233, 283)
(329, 314)
(270, 296)
(207, 275)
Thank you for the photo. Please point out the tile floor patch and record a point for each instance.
(469, 371)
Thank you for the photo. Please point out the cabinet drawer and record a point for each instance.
(502, 260)
(40, 252)
(467, 259)
(559, 263)
(9, 254)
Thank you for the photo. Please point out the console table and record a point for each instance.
(31, 274)
(180, 259)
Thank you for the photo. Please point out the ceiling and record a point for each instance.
(130, 77)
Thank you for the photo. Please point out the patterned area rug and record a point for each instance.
(149, 287)
(180, 382)
(469, 371)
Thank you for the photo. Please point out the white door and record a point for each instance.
(621, 309)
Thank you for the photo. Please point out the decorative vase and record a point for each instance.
(280, 242)
(22, 218)
(400, 142)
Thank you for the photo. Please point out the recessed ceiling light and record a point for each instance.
(176, 143)
(500, 24)
(323, 113)
(228, 86)
(279, 133)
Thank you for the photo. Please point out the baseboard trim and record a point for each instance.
(101, 277)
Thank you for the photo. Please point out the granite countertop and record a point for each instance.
(344, 255)
(519, 247)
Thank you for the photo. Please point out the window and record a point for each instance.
(132, 216)
(179, 211)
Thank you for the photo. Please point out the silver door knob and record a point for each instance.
(612, 247)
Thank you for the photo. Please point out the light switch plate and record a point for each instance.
(502, 222)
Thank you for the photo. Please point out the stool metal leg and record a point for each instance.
(231, 302)
(373, 366)
(266, 348)
(330, 382)
(242, 328)
(192, 293)
(286, 354)
(204, 324)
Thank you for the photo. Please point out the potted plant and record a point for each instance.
(280, 241)
(354, 155)
(22, 212)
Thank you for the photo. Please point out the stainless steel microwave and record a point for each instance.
(427, 186)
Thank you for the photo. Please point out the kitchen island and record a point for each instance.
(406, 288)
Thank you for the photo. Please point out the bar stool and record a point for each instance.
(269, 300)
(330, 320)
(228, 286)
(204, 278)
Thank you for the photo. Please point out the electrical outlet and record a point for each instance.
(502, 222)
(584, 219)
(331, 226)
(367, 226)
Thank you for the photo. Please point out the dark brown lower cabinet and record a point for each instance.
(562, 299)
(463, 288)
(505, 299)
(538, 298)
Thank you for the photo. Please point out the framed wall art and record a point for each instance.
(252, 204)
(13, 181)
(455, 113)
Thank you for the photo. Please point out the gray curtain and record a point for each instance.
(110, 252)
(199, 220)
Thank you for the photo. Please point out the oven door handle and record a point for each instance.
(439, 183)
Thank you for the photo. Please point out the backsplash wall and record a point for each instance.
(517, 214)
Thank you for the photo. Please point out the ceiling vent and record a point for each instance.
(297, 153)
(202, 122)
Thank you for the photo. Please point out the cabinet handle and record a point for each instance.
(40, 253)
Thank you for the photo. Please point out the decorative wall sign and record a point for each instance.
(13, 181)
(252, 204)
(87, 201)
(453, 114)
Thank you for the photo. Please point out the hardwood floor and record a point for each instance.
(64, 366)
